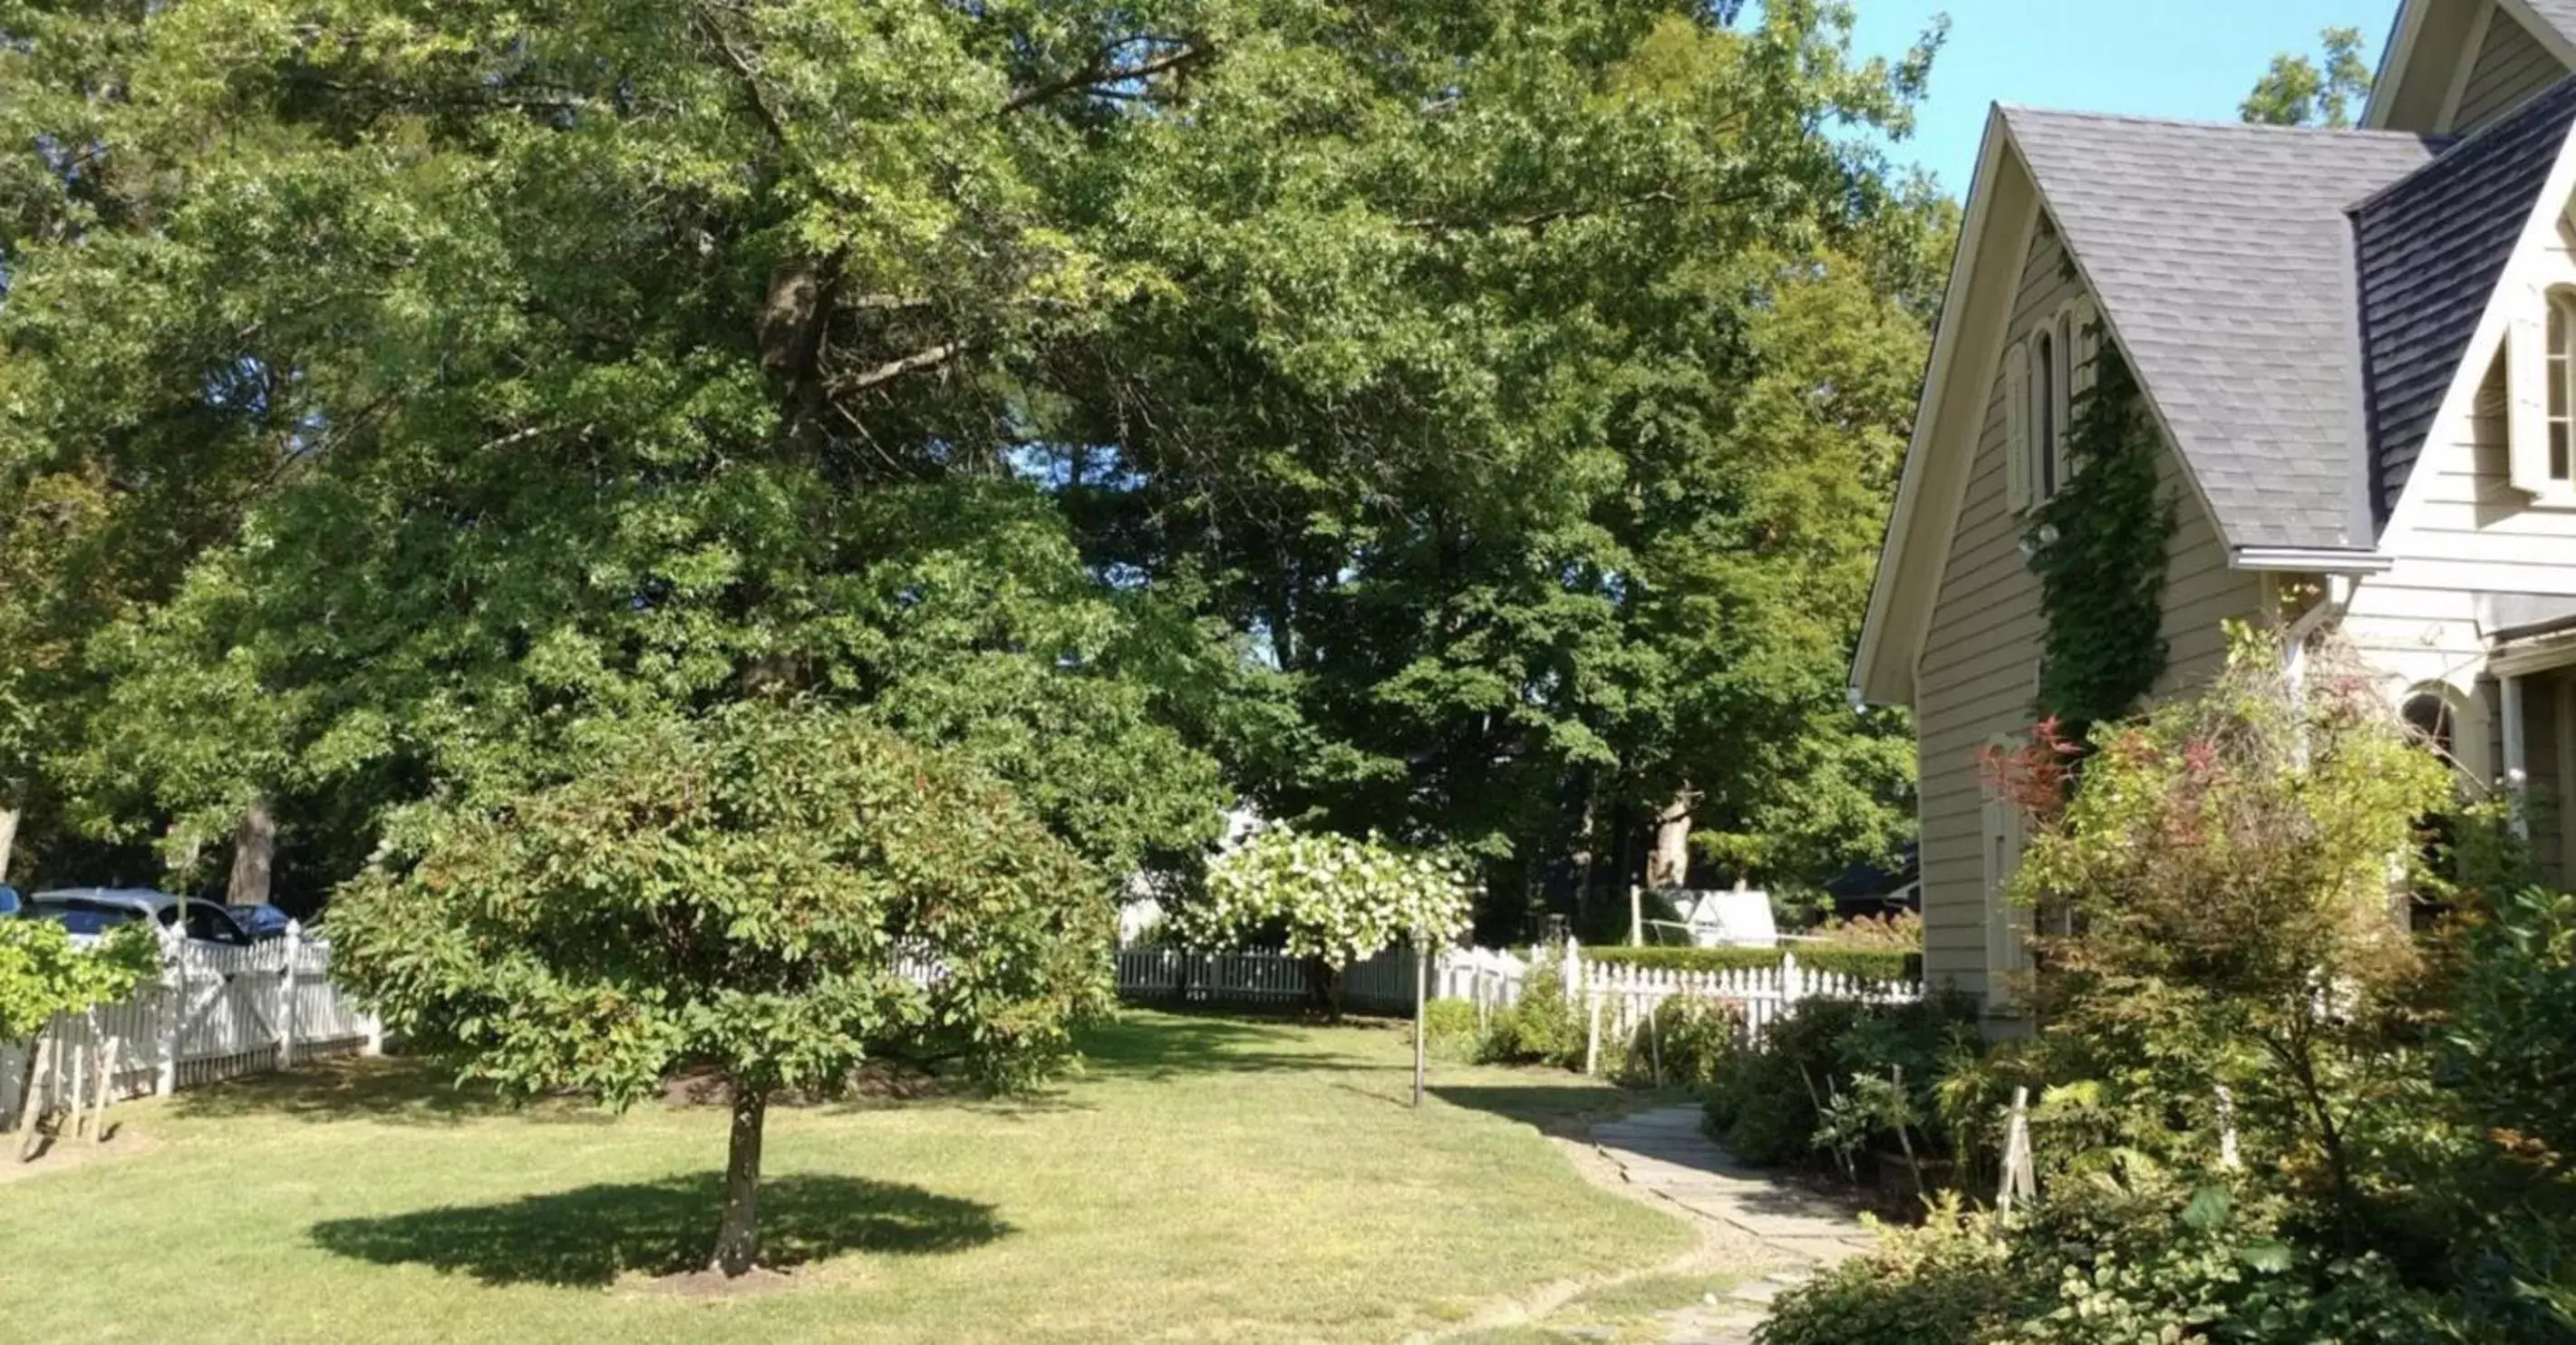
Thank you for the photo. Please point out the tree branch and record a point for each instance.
(894, 369)
(1103, 70)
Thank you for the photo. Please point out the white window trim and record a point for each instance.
(2527, 379)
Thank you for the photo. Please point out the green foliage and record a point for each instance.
(1946, 1283)
(1336, 899)
(2322, 91)
(1885, 964)
(1770, 1105)
(2098, 546)
(1900, 931)
(1878, 964)
(751, 892)
(2267, 1113)
(1451, 1029)
(2203, 1266)
(44, 973)
(1688, 1041)
(1097, 390)
(1541, 1029)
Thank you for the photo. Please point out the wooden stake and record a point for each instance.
(76, 1085)
(30, 1107)
(106, 1091)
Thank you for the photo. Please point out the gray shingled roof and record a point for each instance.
(2558, 14)
(2223, 261)
(2433, 248)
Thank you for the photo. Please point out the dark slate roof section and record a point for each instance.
(2433, 247)
(2223, 259)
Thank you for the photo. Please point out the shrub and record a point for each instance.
(1542, 1029)
(1686, 1041)
(1874, 964)
(1899, 932)
(1879, 964)
(1768, 1105)
(1687, 959)
(1946, 1283)
(1450, 1029)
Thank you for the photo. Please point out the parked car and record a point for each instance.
(260, 920)
(96, 910)
(8, 901)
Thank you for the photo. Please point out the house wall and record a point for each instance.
(2510, 65)
(1978, 677)
(2462, 530)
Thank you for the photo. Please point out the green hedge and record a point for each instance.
(1878, 964)
(1687, 959)
(1882, 964)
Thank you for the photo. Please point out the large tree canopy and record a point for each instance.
(1467, 418)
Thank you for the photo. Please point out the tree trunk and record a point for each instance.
(254, 855)
(1324, 987)
(8, 826)
(738, 1244)
(1668, 868)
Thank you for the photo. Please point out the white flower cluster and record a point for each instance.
(1340, 899)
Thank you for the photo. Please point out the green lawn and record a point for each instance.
(1205, 1179)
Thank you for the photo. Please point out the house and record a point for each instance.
(2358, 350)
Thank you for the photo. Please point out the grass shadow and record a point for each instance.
(409, 1091)
(1564, 1110)
(596, 1234)
(1169, 1045)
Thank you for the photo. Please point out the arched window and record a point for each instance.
(2431, 715)
(2045, 412)
(2562, 386)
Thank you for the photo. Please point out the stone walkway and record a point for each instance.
(1663, 1156)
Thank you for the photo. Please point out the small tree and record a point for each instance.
(2231, 954)
(775, 893)
(1338, 900)
(44, 974)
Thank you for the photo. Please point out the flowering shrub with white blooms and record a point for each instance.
(1341, 899)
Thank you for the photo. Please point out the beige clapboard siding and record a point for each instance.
(2511, 66)
(2464, 526)
(1975, 677)
(1978, 676)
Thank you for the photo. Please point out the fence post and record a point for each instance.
(172, 1005)
(288, 946)
(1571, 973)
(1592, 1043)
(1793, 983)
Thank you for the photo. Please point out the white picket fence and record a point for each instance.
(215, 1012)
(1620, 996)
(1381, 984)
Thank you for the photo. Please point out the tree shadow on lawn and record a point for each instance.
(409, 1091)
(596, 1234)
(1171, 1044)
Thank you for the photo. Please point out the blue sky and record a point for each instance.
(2166, 58)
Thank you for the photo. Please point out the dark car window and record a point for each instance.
(82, 917)
(208, 922)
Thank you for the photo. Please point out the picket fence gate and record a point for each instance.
(215, 1012)
(1260, 979)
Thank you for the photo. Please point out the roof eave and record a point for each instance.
(1873, 680)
